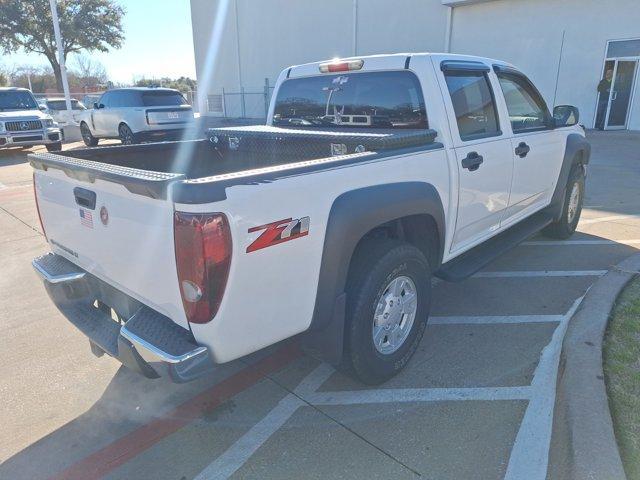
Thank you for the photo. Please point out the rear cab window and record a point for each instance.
(473, 103)
(386, 100)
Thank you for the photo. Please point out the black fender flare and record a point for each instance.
(352, 215)
(577, 151)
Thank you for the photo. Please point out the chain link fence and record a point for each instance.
(251, 103)
(244, 103)
(86, 98)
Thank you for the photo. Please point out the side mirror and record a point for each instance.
(42, 108)
(566, 115)
(97, 105)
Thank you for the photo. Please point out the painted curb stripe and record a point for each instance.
(561, 243)
(122, 450)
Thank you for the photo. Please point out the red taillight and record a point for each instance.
(337, 66)
(203, 257)
(35, 195)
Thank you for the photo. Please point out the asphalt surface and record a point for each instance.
(476, 401)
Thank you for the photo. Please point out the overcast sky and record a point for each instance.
(158, 43)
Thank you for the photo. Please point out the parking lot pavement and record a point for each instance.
(476, 401)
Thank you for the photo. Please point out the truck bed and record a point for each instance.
(148, 168)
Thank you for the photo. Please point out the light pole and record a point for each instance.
(63, 68)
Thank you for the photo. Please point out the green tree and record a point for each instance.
(3, 80)
(86, 25)
(183, 84)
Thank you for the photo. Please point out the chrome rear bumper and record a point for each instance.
(142, 339)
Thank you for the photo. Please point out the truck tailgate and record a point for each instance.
(121, 237)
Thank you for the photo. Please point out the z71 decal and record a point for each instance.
(279, 232)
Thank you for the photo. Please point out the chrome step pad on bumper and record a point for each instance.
(147, 341)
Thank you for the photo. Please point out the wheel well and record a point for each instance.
(579, 159)
(421, 231)
(125, 124)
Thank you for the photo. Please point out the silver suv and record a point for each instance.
(135, 115)
(23, 124)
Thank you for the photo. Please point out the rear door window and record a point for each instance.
(473, 104)
(129, 98)
(366, 100)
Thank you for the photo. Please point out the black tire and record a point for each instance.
(376, 263)
(54, 147)
(88, 139)
(566, 226)
(127, 137)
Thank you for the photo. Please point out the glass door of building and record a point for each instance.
(614, 94)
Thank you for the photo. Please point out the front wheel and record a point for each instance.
(54, 147)
(88, 139)
(389, 296)
(572, 207)
(126, 135)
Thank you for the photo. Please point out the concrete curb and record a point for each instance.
(583, 444)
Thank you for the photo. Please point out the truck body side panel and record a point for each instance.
(271, 292)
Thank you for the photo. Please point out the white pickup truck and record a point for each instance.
(370, 176)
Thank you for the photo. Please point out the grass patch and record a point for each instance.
(622, 375)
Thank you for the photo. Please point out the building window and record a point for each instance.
(623, 48)
(473, 104)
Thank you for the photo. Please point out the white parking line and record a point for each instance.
(405, 395)
(237, 455)
(591, 221)
(561, 243)
(488, 320)
(530, 454)
(542, 273)
(226, 464)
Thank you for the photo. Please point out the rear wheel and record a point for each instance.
(389, 295)
(88, 139)
(572, 207)
(126, 135)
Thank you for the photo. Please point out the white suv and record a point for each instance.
(136, 114)
(23, 124)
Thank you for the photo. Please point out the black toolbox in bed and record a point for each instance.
(306, 143)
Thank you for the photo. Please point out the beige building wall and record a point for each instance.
(529, 34)
(262, 37)
(560, 44)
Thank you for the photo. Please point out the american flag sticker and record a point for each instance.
(86, 218)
